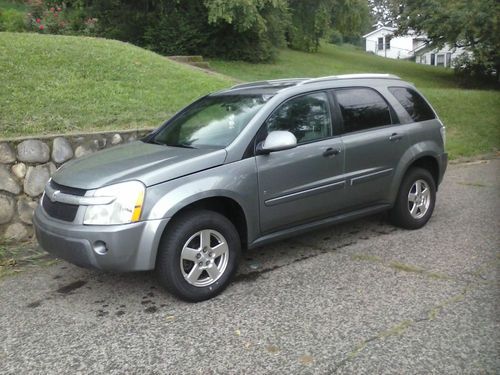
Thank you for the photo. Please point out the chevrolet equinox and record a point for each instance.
(242, 167)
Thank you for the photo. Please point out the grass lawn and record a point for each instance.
(60, 84)
(472, 117)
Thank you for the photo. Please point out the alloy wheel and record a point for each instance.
(204, 258)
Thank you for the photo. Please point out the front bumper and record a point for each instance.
(130, 247)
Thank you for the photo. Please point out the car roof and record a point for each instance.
(277, 85)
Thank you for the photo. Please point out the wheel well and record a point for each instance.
(224, 206)
(429, 163)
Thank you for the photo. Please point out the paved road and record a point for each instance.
(362, 297)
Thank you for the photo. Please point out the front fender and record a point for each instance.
(237, 181)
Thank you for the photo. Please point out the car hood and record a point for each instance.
(146, 162)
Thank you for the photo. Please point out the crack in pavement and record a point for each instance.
(431, 314)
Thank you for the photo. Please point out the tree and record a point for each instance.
(385, 11)
(248, 30)
(351, 18)
(313, 20)
(474, 25)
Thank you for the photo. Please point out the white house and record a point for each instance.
(438, 57)
(382, 42)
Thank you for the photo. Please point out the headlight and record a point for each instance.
(125, 208)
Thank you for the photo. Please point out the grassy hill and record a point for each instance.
(472, 117)
(56, 84)
(59, 84)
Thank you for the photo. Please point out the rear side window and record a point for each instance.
(415, 105)
(362, 108)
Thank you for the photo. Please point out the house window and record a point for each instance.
(440, 60)
(380, 43)
(448, 59)
(388, 42)
(433, 59)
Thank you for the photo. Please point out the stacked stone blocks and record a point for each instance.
(26, 164)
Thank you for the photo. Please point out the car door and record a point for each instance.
(306, 182)
(374, 143)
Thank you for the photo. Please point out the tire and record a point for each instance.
(198, 255)
(412, 210)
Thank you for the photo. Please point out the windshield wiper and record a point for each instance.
(154, 141)
(183, 145)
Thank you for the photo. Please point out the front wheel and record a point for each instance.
(198, 255)
(415, 201)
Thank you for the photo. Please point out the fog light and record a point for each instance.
(100, 247)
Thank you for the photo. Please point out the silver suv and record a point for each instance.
(242, 167)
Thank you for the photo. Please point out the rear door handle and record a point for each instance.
(395, 137)
(331, 152)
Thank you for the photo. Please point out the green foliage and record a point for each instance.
(248, 30)
(47, 17)
(187, 28)
(351, 18)
(336, 37)
(177, 32)
(474, 25)
(471, 116)
(12, 20)
(311, 21)
(59, 84)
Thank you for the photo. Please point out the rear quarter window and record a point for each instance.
(413, 103)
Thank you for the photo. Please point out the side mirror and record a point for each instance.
(277, 140)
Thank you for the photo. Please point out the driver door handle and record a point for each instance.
(331, 152)
(395, 137)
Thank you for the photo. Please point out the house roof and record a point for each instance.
(387, 28)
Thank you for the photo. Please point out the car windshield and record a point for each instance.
(212, 122)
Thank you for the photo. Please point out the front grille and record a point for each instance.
(62, 211)
(67, 189)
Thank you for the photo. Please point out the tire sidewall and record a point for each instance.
(171, 248)
(401, 214)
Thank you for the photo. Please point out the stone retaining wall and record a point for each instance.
(26, 164)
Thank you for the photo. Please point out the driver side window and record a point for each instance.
(307, 117)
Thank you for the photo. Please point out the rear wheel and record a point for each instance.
(198, 255)
(415, 201)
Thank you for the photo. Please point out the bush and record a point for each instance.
(336, 37)
(179, 33)
(12, 20)
(185, 30)
(471, 71)
(56, 18)
(248, 45)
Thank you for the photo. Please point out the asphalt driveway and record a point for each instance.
(361, 297)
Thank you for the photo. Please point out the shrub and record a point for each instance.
(45, 17)
(56, 18)
(179, 33)
(470, 70)
(336, 37)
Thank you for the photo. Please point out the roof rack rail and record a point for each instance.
(272, 82)
(349, 76)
